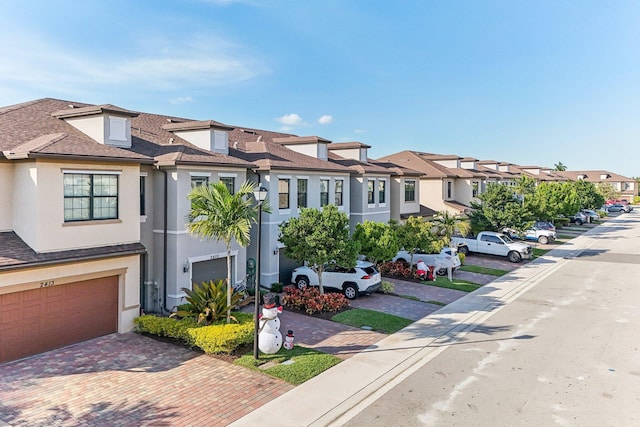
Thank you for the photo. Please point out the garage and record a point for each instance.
(214, 269)
(38, 320)
(286, 266)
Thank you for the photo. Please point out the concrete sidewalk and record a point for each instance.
(334, 396)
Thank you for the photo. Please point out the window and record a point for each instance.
(339, 186)
(117, 128)
(143, 196)
(382, 197)
(410, 191)
(90, 196)
(229, 182)
(449, 189)
(324, 192)
(197, 181)
(283, 193)
(370, 186)
(475, 186)
(302, 193)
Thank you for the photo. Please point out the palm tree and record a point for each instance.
(447, 224)
(218, 214)
(559, 167)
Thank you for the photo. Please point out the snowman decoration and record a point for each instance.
(270, 338)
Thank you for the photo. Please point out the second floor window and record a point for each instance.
(302, 193)
(197, 181)
(324, 192)
(410, 191)
(370, 195)
(229, 182)
(449, 189)
(382, 196)
(143, 195)
(90, 197)
(339, 185)
(283, 193)
(475, 186)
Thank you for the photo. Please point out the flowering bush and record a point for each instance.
(398, 269)
(311, 301)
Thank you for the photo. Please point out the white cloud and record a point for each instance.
(325, 120)
(290, 120)
(359, 131)
(182, 100)
(285, 129)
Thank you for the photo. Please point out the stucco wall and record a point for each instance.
(6, 196)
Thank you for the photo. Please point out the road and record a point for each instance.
(565, 351)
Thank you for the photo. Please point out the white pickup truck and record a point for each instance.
(447, 258)
(492, 243)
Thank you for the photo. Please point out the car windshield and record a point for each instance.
(507, 239)
(370, 270)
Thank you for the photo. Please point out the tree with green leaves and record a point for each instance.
(525, 186)
(416, 233)
(218, 214)
(588, 195)
(321, 238)
(499, 208)
(378, 241)
(607, 191)
(447, 224)
(559, 167)
(552, 199)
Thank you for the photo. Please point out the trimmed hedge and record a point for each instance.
(217, 338)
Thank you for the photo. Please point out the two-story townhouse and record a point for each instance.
(627, 187)
(448, 183)
(297, 173)
(187, 153)
(69, 225)
(404, 194)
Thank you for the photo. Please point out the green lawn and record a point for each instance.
(378, 321)
(457, 284)
(483, 270)
(539, 252)
(301, 363)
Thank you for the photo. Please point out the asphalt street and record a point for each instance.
(564, 350)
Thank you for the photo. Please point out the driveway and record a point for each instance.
(129, 380)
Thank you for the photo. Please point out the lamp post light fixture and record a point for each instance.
(260, 194)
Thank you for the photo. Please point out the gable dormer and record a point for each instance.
(468, 163)
(604, 176)
(351, 150)
(106, 124)
(533, 170)
(313, 146)
(206, 134)
(490, 164)
(504, 167)
(582, 176)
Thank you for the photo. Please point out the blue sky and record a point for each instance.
(527, 82)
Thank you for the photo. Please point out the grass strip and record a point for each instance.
(307, 363)
(378, 321)
(483, 270)
(456, 284)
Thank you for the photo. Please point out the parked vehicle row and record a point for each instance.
(619, 207)
(447, 258)
(537, 234)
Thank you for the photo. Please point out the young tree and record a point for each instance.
(319, 237)
(416, 233)
(217, 214)
(377, 240)
(588, 195)
(447, 224)
(607, 191)
(555, 198)
(498, 209)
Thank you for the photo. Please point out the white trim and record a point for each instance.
(370, 213)
(302, 177)
(382, 205)
(143, 218)
(227, 175)
(284, 211)
(200, 174)
(92, 171)
(170, 231)
(210, 257)
(144, 173)
(284, 176)
(371, 205)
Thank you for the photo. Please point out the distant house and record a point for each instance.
(627, 187)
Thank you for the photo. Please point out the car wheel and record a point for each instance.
(302, 282)
(514, 256)
(350, 291)
(578, 221)
(464, 250)
(543, 240)
(441, 271)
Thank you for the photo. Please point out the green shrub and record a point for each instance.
(311, 301)
(561, 222)
(166, 327)
(462, 258)
(222, 338)
(276, 287)
(387, 287)
(207, 302)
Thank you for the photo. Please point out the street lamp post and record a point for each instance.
(260, 194)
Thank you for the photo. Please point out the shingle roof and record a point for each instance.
(594, 176)
(15, 253)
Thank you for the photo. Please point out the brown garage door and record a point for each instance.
(39, 320)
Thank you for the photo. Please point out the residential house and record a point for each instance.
(625, 186)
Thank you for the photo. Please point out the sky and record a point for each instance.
(532, 82)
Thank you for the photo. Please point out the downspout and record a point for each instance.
(165, 256)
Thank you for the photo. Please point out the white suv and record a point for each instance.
(364, 278)
(448, 257)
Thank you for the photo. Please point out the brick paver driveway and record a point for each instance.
(129, 380)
